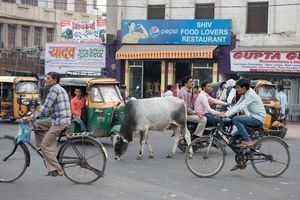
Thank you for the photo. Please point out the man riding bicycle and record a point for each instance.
(58, 105)
(253, 103)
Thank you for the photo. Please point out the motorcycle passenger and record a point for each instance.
(254, 105)
(203, 103)
(186, 94)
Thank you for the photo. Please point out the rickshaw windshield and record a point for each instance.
(27, 87)
(267, 92)
(105, 93)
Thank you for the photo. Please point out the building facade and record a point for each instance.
(268, 26)
(25, 27)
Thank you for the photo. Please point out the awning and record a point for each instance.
(165, 51)
(267, 48)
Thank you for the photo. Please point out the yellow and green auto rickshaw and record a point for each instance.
(273, 123)
(18, 96)
(104, 109)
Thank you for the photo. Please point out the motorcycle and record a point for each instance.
(274, 123)
(135, 95)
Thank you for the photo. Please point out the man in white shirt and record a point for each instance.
(282, 98)
(253, 103)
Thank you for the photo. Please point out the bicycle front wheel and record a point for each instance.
(83, 160)
(208, 158)
(13, 162)
(271, 157)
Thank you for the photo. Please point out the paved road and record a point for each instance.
(158, 178)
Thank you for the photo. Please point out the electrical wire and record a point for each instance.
(169, 7)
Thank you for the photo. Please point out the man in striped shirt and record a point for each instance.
(57, 105)
(186, 94)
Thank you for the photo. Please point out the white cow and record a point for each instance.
(151, 114)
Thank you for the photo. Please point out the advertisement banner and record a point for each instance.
(265, 62)
(205, 32)
(83, 30)
(67, 57)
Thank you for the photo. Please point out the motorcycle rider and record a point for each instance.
(186, 94)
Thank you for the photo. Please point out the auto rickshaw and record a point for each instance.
(18, 96)
(104, 104)
(273, 123)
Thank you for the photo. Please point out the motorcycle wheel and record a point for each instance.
(182, 145)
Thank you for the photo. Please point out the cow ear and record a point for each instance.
(116, 139)
(124, 140)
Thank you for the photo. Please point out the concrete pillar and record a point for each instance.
(127, 75)
(170, 73)
(271, 17)
(31, 37)
(215, 73)
(18, 41)
(162, 77)
(4, 34)
(44, 37)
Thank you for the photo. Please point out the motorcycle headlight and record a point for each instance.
(25, 102)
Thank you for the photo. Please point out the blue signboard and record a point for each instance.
(176, 31)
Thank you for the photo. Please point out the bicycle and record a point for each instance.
(82, 157)
(208, 157)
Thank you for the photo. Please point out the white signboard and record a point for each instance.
(83, 30)
(65, 57)
(288, 62)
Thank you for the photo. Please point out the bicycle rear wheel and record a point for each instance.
(83, 160)
(271, 157)
(208, 158)
(13, 167)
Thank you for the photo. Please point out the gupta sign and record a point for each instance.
(266, 61)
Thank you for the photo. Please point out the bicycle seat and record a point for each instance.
(63, 132)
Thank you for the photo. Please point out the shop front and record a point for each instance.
(153, 67)
(158, 59)
(280, 65)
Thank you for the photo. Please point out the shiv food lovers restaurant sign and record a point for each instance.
(265, 61)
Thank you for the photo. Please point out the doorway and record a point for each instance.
(182, 69)
(136, 77)
(152, 78)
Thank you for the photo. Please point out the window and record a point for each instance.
(156, 11)
(205, 11)
(80, 6)
(11, 1)
(60, 4)
(11, 36)
(37, 36)
(50, 34)
(257, 18)
(95, 4)
(1, 41)
(30, 2)
(24, 36)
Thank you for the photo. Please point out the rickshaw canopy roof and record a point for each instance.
(12, 79)
(257, 83)
(76, 81)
